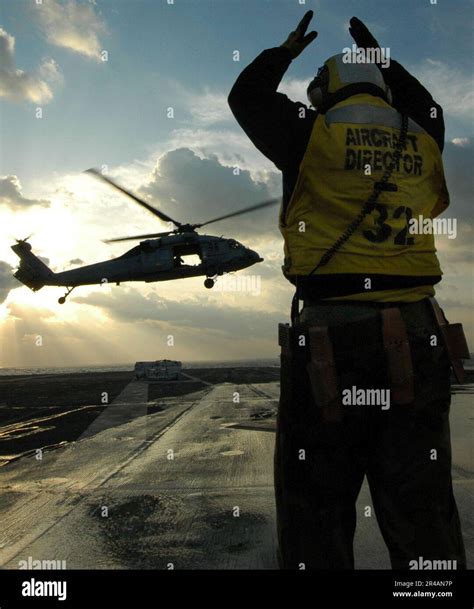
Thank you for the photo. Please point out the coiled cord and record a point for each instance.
(369, 205)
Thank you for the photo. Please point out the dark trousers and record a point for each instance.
(404, 450)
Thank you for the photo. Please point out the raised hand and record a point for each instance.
(297, 41)
(362, 35)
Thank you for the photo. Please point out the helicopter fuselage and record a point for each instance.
(171, 257)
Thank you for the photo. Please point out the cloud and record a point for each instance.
(458, 161)
(18, 85)
(458, 158)
(209, 108)
(232, 148)
(7, 281)
(449, 86)
(95, 334)
(295, 88)
(238, 323)
(49, 70)
(64, 342)
(72, 25)
(460, 141)
(11, 195)
(195, 189)
(450, 303)
(202, 107)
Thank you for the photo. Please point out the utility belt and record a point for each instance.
(321, 340)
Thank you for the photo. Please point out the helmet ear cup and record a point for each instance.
(317, 88)
(316, 96)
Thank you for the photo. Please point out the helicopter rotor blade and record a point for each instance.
(25, 239)
(96, 173)
(150, 236)
(241, 211)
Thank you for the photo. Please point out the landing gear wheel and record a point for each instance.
(209, 283)
(62, 300)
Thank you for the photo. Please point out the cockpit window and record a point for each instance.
(234, 245)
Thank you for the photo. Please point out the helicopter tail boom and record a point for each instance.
(32, 272)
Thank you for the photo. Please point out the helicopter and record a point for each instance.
(159, 257)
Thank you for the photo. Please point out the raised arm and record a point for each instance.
(409, 96)
(273, 122)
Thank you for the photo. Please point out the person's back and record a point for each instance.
(353, 145)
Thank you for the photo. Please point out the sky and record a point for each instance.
(89, 84)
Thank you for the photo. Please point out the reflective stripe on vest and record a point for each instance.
(360, 114)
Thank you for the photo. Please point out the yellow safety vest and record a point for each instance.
(349, 149)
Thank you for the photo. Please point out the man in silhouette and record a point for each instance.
(356, 168)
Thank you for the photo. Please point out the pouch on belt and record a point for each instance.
(320, 366)
(323, 373)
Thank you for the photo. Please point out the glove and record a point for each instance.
(297, 41)
(361, 35)
(365, 40)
